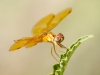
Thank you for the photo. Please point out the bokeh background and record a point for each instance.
(17, 17)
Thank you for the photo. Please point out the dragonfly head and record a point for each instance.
(59, 37)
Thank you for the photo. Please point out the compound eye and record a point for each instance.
(59, 38)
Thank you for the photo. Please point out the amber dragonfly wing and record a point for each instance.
(26, 41)
(58, 18)
(41, 26)
(33, 41)
(49, 22)
(19, 43)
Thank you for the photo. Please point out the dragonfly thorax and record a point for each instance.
(49, 37)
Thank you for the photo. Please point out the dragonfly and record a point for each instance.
(41, 33)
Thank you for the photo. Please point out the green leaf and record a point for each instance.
(58, 69)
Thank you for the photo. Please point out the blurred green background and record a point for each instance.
(17, 17)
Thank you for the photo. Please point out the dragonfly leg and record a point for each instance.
(60, 51)
(53, 55)
(55, 50)
(62, 46)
